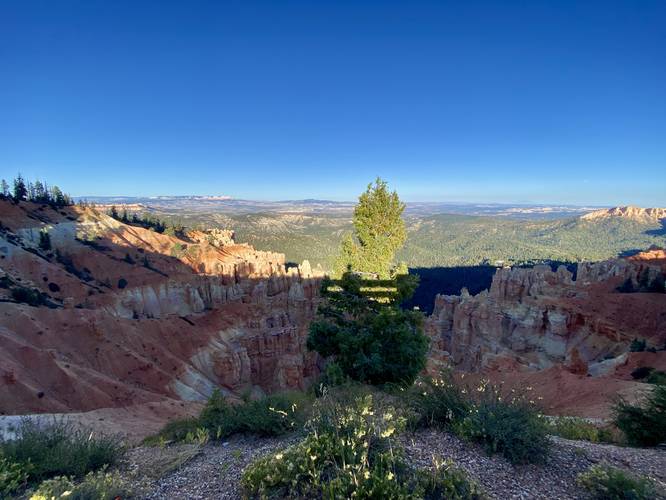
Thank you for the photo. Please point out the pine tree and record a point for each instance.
(58, 197)
(47, 193)
(20, 191)
(4, 188)
(40, 193)
(360, 324)
(114, 212)
(379, 232)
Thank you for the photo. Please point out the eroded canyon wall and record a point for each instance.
(113, 315)
(536, 318)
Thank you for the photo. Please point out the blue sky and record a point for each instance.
(530, 101)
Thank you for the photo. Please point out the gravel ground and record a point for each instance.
(213, 471)
(554, 479)
(206, 472)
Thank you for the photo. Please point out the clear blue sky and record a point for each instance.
(514, 101)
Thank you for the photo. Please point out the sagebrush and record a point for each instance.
(350, 450)
(58, 448)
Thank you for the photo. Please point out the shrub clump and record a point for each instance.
(637, 345)
(580, 429)
(609, 483)
(13, 477)
(438, 402)
(100, 485)
(510, 425)
(30, 296)
(58, 449)
(656, 377)
(643, 425)
(272, 415)
(350, 450)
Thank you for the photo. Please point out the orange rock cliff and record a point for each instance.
(128, 316)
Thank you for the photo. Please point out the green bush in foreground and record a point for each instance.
(438, 402)
(272, 415)
(511, 426)
(100, 485)
(580, 429)
(508, 425)
(608, 483)
(643, 425)
(350, 450)
(13, 477)
(57, 448)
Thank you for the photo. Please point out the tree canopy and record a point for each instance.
(379, 232)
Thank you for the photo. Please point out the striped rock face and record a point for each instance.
(114, 315)
(537, 318)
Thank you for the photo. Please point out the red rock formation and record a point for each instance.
(532, 319)
(134, 316)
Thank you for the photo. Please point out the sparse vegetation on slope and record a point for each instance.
(643, 425)
(272, 415)
(100, 485)
(510, 424)
(44, 451)
(580, 429)
(350, 450)
(609, 483)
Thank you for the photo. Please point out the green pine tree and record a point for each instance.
(4, 188)
(58, 198)
(20, 191)
(360, 325)
(379, 232)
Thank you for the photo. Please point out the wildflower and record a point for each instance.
(388, 432)
(366, 474)
(279, 456)
(390, 476)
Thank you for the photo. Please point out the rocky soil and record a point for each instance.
(554, 479)
(214, 470)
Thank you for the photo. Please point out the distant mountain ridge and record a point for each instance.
(628, 212)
